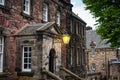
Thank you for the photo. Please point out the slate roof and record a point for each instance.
(32, 28)
(91, 35)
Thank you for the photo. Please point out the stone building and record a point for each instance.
(99, 58)
(31, 47)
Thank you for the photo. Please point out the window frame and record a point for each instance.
(58, 21)
(1, 53)
(28, 6)
(3, 2)
(23, 52)
(93, 51)
(71, 55)
(77, 56)
(45, 12)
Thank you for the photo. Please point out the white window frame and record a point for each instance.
(1, 53)
(2, 2)
(23, 57)
(58, 18)
(45, 12)
(26, 6)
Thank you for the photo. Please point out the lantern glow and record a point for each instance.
(66, 39)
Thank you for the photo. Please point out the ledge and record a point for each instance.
(4, 8)
(3, 74)
(27, 16)
(30, 74)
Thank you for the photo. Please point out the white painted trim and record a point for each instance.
(24, 70)
(27, 12)
(1, 69)
(58, 18)
(45, 8)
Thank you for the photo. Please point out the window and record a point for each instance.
(2, 2)
(93, 66)
(26, 7)
(1, 53)
(58, 18)
(77, 56)
(93, 51)
(45, 13)
(26, 65)
(71, 59)
(103, 66)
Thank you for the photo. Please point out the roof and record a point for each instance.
(31, 29)
(76, 16)
(91, 35)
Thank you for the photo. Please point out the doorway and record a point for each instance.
(52, 60)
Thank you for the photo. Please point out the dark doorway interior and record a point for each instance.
(52, 60)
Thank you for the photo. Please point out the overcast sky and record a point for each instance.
(78, 8)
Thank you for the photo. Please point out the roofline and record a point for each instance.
(76, 16)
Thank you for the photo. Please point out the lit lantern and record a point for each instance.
(66, 39)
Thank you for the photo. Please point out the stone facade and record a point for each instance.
(43, 39)
(99, 57)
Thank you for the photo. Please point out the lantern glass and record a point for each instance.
(66, 39)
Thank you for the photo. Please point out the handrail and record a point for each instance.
(71, 73)
(52, 74)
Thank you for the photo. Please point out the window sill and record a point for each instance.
(3, 74)
(27, 16)
(30, 74)
(4, 7)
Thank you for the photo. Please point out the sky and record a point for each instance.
(85, 15)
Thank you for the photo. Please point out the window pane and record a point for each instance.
(45, 12)
(25, 55)
(25, 66)
(26, 6)
(0, 62)
(30, 60)
(27, 58)
(2, 2)
(0, 48)
(29, 66)
(58, 18)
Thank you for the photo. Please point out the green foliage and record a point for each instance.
(107, 14)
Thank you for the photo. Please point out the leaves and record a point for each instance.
(107, 14)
